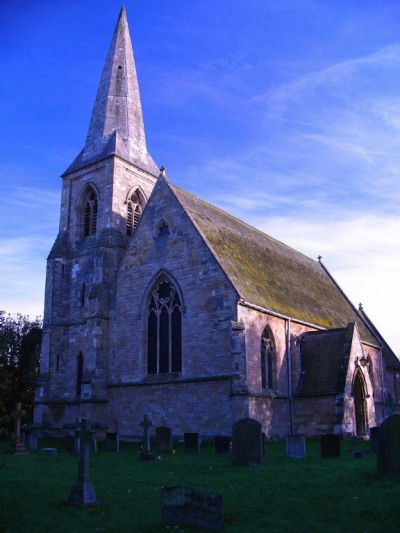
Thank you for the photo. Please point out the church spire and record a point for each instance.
(116, 126)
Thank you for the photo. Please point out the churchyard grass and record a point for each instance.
(281, 495)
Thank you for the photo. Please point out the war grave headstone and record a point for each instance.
(183, 506)
(222, 444)
(191, 442)
(19, 445)
(296, 446)
(246, 442)
(373, 438)
(146, 454)
(164, 439)
(388, 457)
(82, 492)
(330, 446)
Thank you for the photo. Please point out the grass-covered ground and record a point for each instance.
(282, 495)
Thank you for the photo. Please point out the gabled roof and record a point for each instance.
(267, 273)
(324, 360)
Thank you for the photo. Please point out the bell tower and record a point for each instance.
(104, 192)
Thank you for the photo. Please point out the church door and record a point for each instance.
(360, 406)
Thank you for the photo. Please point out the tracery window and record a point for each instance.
(134, 212)
(90, 214)
(267, 360)
(164, 329)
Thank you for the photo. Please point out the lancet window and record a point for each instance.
(164, 333)
(134, 212)
(90, 213)
(267, 360)
(79, 374)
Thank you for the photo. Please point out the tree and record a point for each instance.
(20, 340)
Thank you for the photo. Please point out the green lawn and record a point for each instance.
(282, 495)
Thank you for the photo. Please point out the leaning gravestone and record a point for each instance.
(82, 492)
(296, 446)
(164, 439)
(183, 506)
(330, 446)
(191, 442)
(246, 442)
(388, 458)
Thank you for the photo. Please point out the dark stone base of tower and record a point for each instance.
(158, 302)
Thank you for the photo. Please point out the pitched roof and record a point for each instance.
(267, 273)
(324, 360)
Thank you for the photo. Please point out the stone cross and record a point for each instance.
(146, 454)
(19, 446)
(82, 492)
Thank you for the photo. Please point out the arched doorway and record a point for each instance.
(360, 406)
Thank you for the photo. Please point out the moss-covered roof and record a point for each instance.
(269, 274)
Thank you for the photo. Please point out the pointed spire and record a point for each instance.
(116, 126)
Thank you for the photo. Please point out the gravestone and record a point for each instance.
(330, 446)
(112, 441)
(164, 439)
(191, 442)
(19, 445)
(388, 458)
(373, 438)
(296, 446)
(82, 492)
(246, 442)
(183, 506)
(146, 454)
(50, 451)
(32, 441)
(222, 444)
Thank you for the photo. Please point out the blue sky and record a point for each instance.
(285, 113)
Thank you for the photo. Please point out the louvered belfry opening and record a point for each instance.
(90, 214)
(134, 212)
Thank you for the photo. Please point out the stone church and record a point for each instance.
(158, 302)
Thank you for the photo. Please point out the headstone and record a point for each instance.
(82, 492)
(330, 446)
(19, 445)
(112, 441)
(373, 438)
(32, 441)
(183, 506)
(246, 442)
(191, 442)
(146, 454)
(164, 439)
(296, 446)
(264, 442)
(388, 458)
(222, 444)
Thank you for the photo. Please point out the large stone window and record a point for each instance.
(267, 360)
(164, 329)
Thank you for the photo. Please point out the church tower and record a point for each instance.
(104, 192)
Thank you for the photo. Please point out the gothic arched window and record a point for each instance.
(90, 213)
(164, 329)
(79, 374)
(267, 360)
(134, 212)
